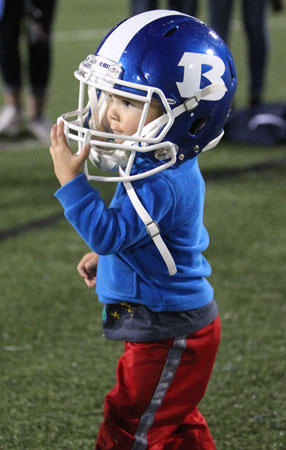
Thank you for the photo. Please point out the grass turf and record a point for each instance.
(55, 365)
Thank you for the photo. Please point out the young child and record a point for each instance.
(159, 89)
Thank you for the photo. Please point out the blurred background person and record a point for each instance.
(254, 14)
(34, 18)
(185, 6)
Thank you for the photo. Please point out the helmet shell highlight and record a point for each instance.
(167, 49)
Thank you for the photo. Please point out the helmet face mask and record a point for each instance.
(160, 56)
(98, 81)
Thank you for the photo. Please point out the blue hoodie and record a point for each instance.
(130, 267)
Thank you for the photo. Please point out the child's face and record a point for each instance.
(123, 115)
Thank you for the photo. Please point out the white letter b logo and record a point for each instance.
(192, 63)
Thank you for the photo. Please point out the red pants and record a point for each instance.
(153, 406)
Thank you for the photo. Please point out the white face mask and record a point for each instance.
(101, 78)
(98, 77)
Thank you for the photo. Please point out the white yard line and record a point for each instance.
(89, 35)
(79, 35)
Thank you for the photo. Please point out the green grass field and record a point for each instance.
(55, 365)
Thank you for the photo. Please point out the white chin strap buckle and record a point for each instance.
(152, 228)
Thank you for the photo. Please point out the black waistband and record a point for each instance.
(126, 321)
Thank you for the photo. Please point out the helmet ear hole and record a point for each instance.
(198, 125)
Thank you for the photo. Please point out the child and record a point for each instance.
(160, 87)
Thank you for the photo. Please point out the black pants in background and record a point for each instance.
(34, 19)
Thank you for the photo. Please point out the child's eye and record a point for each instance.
(127, 103)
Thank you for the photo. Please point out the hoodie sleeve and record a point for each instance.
(113, 229)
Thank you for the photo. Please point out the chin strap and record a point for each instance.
(191, 103)
(152, 228)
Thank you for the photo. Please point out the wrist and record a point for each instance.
(65, 179)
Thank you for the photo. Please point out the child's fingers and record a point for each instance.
(81, 270)
(83, 155)
(90, 283)
(53, 135)
(88, 276)
(82, 267)
(87, 268)
(61, 137)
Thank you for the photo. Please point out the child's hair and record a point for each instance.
(163, 55)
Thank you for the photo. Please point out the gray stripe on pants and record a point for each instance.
(147, 419)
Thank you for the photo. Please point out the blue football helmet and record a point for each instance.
(164, 55)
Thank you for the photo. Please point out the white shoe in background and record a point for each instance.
(40, 129)
(10, 120)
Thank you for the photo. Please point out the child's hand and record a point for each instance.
(87, 268)
(67, 165)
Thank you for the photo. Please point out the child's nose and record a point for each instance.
(113, 112)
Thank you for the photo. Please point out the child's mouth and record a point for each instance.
(116, 131)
